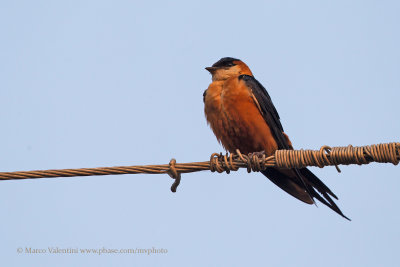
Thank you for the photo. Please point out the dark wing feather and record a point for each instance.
(268, 110)
(204, 95)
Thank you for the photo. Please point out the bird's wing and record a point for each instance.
(267, 109)
(298, 187)
(300, 183)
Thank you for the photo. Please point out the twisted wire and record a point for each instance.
(325, 156)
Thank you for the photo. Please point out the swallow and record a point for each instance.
(242, 116)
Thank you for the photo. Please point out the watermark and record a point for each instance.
(91, 251)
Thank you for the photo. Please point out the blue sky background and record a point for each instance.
(111, 83)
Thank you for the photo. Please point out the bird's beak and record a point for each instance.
(211, 69)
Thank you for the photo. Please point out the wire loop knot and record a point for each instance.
(220, 163)
(174, 174)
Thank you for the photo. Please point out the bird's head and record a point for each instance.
(228, 67)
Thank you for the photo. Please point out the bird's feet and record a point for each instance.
(257, 154)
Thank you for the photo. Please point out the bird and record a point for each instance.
(242, 116)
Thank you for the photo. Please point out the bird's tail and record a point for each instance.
(303, 185)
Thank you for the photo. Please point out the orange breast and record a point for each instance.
(235, 119)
